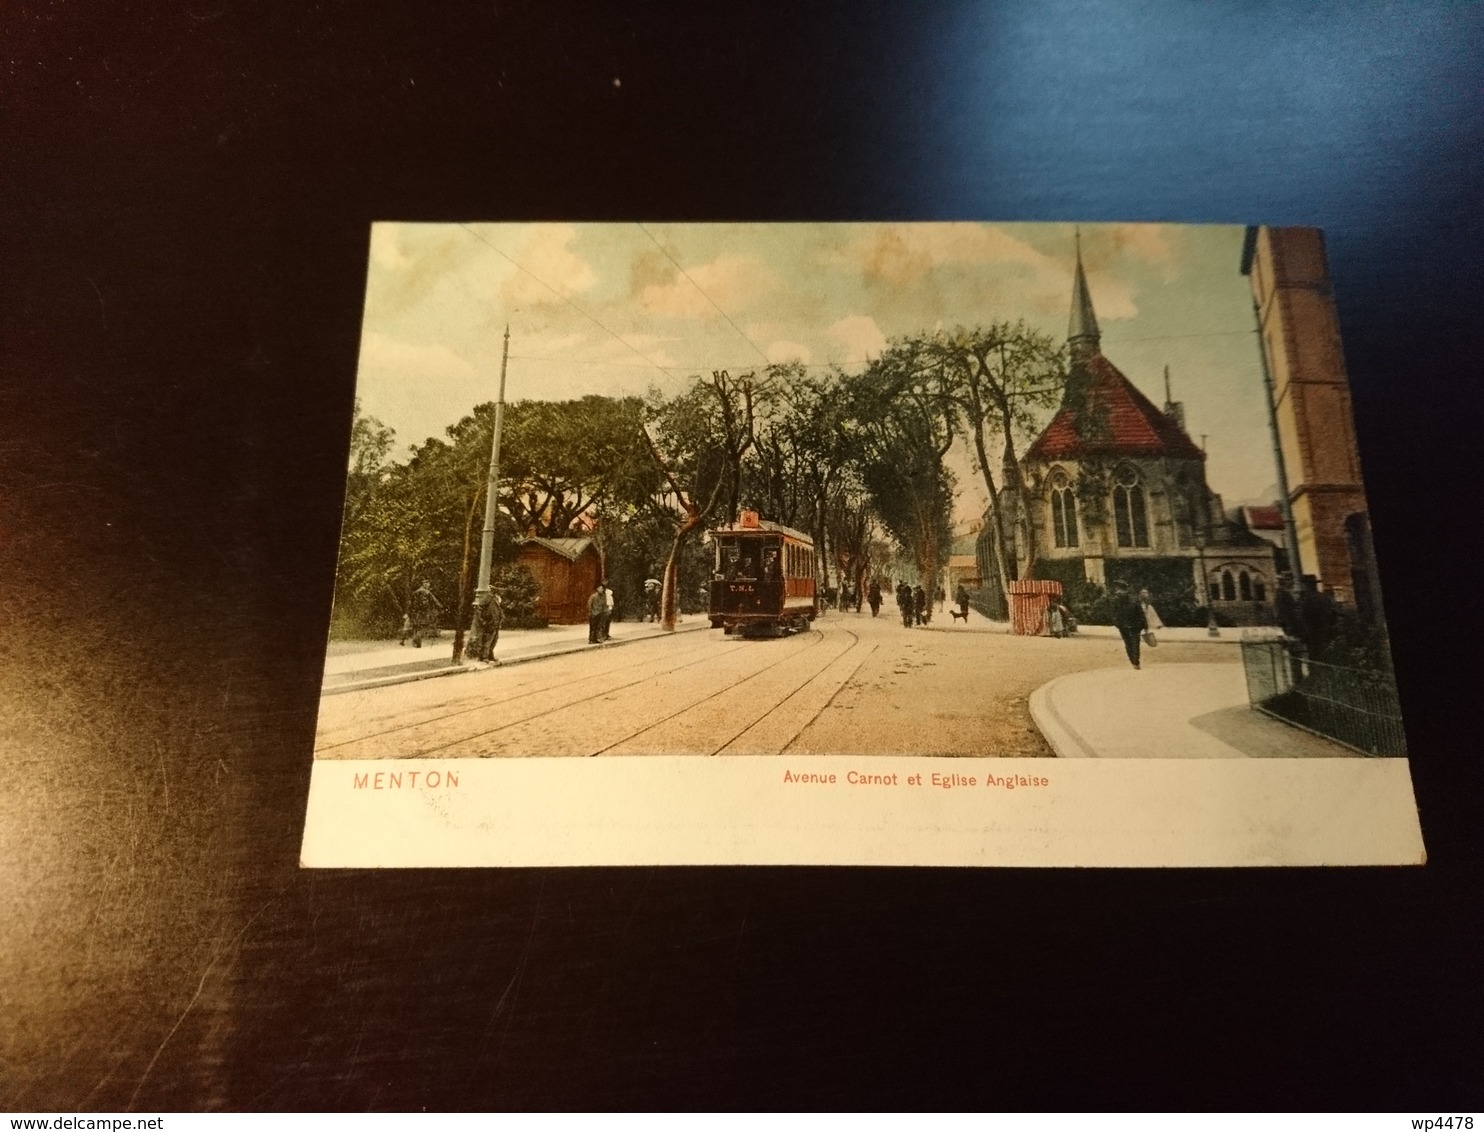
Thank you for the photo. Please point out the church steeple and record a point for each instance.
(1083, 338)
(1174, 409)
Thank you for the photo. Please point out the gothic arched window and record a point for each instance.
(1130, 519)
(1228, 586)
(1063, 511)
(1244, 584)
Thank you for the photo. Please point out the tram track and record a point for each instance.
(854, 644)
(819, 639)
(826, 705)
(575, 703)
(707, 648)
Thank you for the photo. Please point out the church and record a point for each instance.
(1114, 489)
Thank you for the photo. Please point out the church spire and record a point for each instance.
(1082, 331)
(1174, 409)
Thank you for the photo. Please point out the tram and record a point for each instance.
(762, 580)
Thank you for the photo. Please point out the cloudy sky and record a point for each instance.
(619, 308)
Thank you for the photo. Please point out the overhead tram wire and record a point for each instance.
(1169, 337)
(648, 365)
(650, 362)
(701, 290)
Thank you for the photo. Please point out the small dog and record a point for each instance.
(959, 615)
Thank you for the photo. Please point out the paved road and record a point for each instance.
(853, 685)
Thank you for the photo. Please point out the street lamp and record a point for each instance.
(1198, 532)
(1212, 629)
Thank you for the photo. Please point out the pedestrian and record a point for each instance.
(942, 598)
(1128, 617)
(1317, 616)
(1068, 623)
(652, 598)
(873, 597)
(608, 607)
(488, 616)
(1055, 625)
(920, 604)
(904, 603)
(961, 597)
(597, 605)
(1151, 618)
(423, 613)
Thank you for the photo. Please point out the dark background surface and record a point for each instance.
(186, 192)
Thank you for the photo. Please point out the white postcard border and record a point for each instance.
(743, 810)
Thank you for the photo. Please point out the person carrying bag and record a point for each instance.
(1151, 619)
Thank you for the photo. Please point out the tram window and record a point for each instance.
(770, 564)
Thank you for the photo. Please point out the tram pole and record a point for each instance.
(492, 487)
(1290, 529)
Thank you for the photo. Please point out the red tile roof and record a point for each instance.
(1110, 417)
(1264, 518)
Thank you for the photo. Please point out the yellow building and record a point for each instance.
(1311, 397)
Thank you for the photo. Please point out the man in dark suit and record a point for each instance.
(1128, 617)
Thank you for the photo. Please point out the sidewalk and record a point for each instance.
(352, 666)
(1166, 711)
(978, 623)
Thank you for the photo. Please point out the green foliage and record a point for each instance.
(1168, 581)
(561, 463)
(901, 424)
(518, 590)
(1085, 599)
(1359, 644)
(564, 460)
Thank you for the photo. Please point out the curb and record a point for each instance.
(1065, 742)
(452, 669)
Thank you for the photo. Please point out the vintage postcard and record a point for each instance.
(933, 544)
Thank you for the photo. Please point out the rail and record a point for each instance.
(1356, 707)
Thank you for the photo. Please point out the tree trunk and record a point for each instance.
(998, 551)
(669, 591)
(1022, 504)
(460, 615)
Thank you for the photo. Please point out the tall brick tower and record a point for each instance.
(1311, 396)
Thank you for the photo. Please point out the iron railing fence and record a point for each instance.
(1354, 706)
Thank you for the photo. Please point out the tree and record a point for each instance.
(850, 524)
(698, 441)
(791, 446)
(902, 423)
(999, 379)
(563, 462)
(404, 530)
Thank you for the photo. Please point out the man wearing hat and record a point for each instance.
(1128, 617)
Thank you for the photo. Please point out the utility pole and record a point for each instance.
(1290, 530)
(492, 487)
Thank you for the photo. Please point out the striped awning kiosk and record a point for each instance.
(1028, 604)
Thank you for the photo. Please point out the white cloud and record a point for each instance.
(1152, 244)
(551, 270)
(860, 337)
(411, 361)
(903, 256)
(731, 282)
(785, 351)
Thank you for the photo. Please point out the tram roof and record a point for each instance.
(764, 527)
